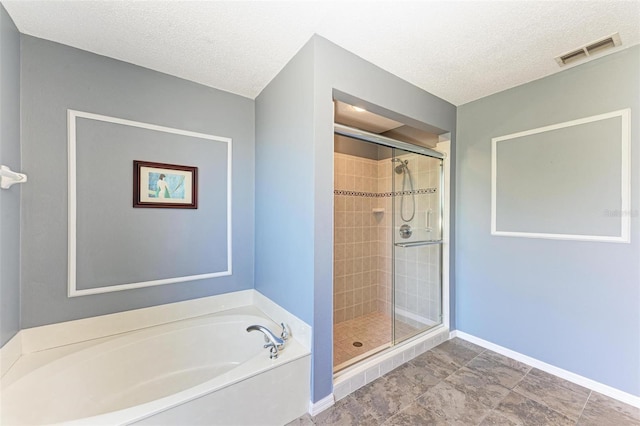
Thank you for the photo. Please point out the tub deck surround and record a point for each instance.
(188, 369)
(10, 353)
(69, 332)
(297, 327)
(66, 333)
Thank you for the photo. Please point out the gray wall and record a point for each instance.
(57, 77)
(284, 187)
(162, 243)
(572, 304)
(557, 201)
(294, 166)
(9, 199)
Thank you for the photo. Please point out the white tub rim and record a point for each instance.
(259, 363)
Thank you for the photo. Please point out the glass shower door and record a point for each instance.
(417, 201)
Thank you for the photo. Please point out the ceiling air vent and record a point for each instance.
(588, 50)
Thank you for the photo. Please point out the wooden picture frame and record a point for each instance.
(161, 185)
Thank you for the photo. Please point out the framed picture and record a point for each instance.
(159, 185)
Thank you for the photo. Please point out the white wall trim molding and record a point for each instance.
(65, 333)
(316, 408)
(609, 391)
(73, 291)
(625, 181)
(10, 353)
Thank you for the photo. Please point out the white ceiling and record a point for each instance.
(457, 50)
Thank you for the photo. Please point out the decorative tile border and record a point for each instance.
(382, 194)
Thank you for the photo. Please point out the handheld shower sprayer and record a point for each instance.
(403, 169)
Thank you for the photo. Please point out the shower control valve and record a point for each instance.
(405, 231)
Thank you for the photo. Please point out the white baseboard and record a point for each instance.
(10, 353)
(316, 408)
(609, 391)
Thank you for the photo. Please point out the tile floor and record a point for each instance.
(459, 383)
(372, 330)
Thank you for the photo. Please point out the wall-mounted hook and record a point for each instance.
(9, 177)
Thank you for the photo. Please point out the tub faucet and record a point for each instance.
(273, 342)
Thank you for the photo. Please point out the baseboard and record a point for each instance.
(316, 408)
(609, 391)
(10, 353)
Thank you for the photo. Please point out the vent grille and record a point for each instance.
(588, 50)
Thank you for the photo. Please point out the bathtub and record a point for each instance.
(204, 370)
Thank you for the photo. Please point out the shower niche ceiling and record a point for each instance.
(359, 118)
(387, 285)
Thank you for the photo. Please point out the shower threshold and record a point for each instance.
(360, 357)
(356, 359)
(358, 374)
(364, 336)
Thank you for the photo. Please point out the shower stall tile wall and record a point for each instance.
(417, 287)
(356, 289)
(364, 235)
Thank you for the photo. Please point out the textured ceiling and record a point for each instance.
(457, 50)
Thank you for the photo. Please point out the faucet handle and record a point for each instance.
(285, 332)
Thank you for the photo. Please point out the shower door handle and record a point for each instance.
(418, 243)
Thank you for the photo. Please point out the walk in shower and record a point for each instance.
(388, 210)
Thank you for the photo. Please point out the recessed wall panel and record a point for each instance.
(118, 246)
(564, 181)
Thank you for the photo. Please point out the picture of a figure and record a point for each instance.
(162, 190)
(166, 185)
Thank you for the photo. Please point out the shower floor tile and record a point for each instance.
(372, 330)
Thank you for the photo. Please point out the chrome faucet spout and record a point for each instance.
(273, 342)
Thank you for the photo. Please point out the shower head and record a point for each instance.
(400, 168)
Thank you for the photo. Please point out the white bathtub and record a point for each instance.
(205, 370)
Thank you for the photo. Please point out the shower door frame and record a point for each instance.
(398, 244)
(443, 155)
